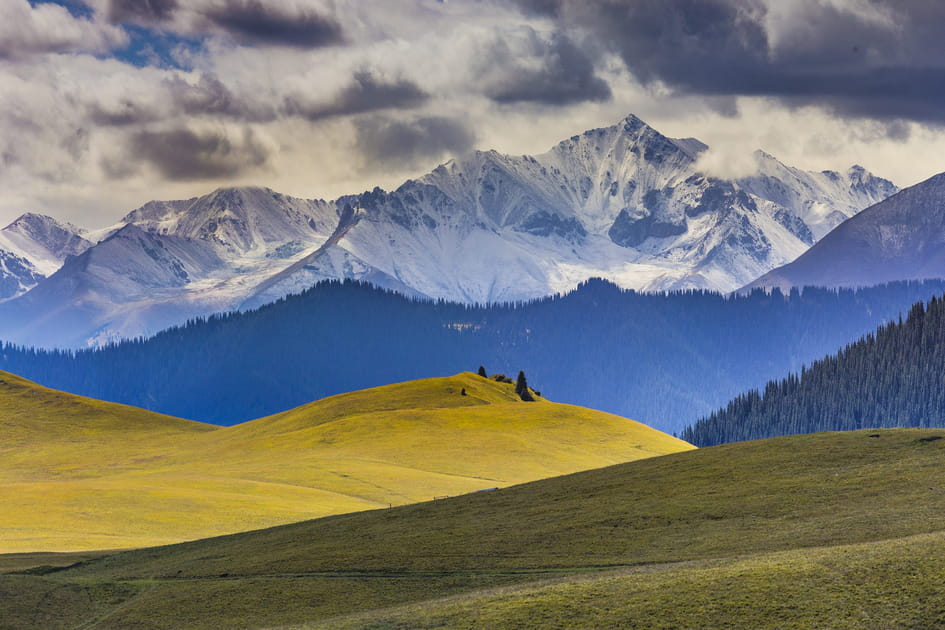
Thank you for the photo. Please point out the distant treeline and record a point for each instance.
(894, 377)
(663, 359)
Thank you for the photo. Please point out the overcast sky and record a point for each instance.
(106, 104)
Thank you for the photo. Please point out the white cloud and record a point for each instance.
(49, 28)
(727, 162)
(70, 123)
(812, 139)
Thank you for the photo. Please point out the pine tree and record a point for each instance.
(889, 378)
(521, 385)
(521, 388)
(482, 372)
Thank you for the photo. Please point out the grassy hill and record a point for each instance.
(826, 530)
(79, 474)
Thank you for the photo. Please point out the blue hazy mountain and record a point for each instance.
(663, 359)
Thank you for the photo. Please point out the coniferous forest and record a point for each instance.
(894, 377)
(665, 359)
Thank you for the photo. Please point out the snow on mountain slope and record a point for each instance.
(32, 247)
(44, 240)
(328, 262)
(168, 262)
(17, 275)
(822, 201)
(245, 221)
(624, 203)
(92, 290)
(901, 238)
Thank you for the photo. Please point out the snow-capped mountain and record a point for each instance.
(167, 262)
(247, 222)
(33, 247)
(624, 203)
(901, 238)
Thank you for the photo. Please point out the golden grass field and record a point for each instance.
(832, 530)
(81, 474)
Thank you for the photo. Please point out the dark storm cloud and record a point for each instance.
(253, 22)
(211, 97)
(208, 97)
(183, 154)
(383, 141)
(886, 68)
(122, 114)
(366, 93)
(144, 11)
(676, 41)
(566, 76)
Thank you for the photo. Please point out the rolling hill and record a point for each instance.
(81, 474)
(827, 530)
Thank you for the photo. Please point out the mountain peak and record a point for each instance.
(31, 222)
(630, 132)
(241, 191)
(645, 134)
(241, 219)
(128, 230)
(57, 238)
(633, 123)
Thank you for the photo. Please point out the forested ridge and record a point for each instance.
(894, 377)
(663, 359)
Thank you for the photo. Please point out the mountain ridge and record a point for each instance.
(622, 202)
(33, 247)
(899, 238)
(598, 346)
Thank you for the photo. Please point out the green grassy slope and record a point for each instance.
(725, 530)
(886, 584)
(78, 474)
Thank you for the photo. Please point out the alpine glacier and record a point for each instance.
(623, 203)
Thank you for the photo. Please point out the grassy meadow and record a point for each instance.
(827, 530)
(886, 584)
(79, 474)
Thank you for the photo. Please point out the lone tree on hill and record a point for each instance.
(482, 372)
(521, 388)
